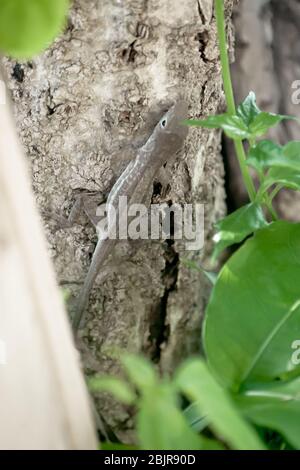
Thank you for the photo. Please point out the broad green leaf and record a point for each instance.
(237, 226)
(140, 371)
(29, 26)
(253, 316)
(162, 426)
(275, 406)
(196, 382)
(232, 125)
(113, 385)
(248, 109)
(267, 154)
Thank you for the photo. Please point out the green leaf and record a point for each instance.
(257, 121)
(292, 150)
(248, 109)
(285, 177)
(113, 385)
(267, 154)
(264, 121)
(235, 128)
(275, 406)
(237, 226)
(249, 122)
(196, 382)
(196, 420)
(140, 371)
(29, 26)
(232, 125)
(253, 315)
(162, 426)
(288, 173)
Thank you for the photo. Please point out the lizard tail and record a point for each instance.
(101, 252)
(83, 301)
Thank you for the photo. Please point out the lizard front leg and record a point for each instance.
(85, 203)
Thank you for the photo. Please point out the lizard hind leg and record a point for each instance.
(88, 203)
(85, 202)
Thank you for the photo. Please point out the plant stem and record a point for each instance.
(239, 148)
(219, 7)
(275, 191)
(269, 199)
(271, 210)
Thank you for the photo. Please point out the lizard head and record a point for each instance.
(170, 131)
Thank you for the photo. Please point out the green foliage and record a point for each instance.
(274, 406)
(286, 178)
(29, 26)
(197, 383)
(266, 154)
(231, 415)
(160, 423)
(249, 122)
(232, 125)
(237, 226)
(277, 167)
(253, 315)
(117, 387)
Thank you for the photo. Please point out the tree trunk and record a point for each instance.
(81, 108)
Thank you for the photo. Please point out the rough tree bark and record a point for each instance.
(79, 108)
(267, 62)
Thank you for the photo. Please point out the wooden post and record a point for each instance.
(44, 403)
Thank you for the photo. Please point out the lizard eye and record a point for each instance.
(163, 123)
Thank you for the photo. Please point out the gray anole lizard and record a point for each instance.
(165, 141)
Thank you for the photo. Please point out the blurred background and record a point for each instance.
(267, 61)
